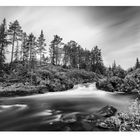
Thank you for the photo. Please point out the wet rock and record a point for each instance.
(68, 118)
(112, 123)
(107, 111)
(90, 121)
(102, 125)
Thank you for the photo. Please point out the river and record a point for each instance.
(37, 111)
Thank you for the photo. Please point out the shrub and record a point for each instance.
(110, 84)
(104, 84)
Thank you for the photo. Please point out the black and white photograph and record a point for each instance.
(70, 68)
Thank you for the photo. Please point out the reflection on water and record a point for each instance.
(37, 111)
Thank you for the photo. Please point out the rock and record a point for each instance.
(107, 111)
(112, 123)
(68, 118)
(102, 125)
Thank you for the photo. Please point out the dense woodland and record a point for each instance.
(30, 51)
(30, 65)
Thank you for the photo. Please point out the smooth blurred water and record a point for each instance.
(37, 111)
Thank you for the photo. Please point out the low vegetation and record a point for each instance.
(47, 78)
(129, 84)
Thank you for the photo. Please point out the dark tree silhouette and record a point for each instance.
(54, 49)
(3, 44)
(15, 32)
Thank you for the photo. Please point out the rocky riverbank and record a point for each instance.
(105, 119)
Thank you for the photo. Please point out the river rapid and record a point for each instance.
(38, 112)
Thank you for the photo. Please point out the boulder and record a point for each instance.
(107, 111)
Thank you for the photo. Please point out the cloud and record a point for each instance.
(116, 30)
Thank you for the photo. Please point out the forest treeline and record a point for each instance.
(29, 56)
(30, 51)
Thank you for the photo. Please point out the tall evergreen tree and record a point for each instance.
(15, 32)
(25, 49)
(114, 65)
(41, 45)
(96, 61)
(3, 44)
(73, 54)
(86, 60)
(66, 57)
(31, 42)
(54, 49)
(32, 50)
(137, 65)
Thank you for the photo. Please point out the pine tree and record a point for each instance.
(137, 65)
(15, 32)
(32, 50)
(41, 45)
(87, 60)
(31, 42)
(3, 44)
(25, 49)
(66, 57)
(54, 49)
(73, 54)
(96, 61)
(114, 65)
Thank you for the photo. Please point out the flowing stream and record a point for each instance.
(36, 111)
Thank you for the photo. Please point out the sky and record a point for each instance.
(115, 30)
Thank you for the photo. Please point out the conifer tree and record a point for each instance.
(3, 44)
(137, 65)
(41, 45)
(96, 61)
(32, 50)
(54, 49)
(15, 32)
(25, 49)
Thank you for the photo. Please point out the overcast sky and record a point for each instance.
(116, 30)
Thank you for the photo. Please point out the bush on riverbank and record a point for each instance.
(18, 89)
(130, 84)
(110, 84)
(51, 78)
